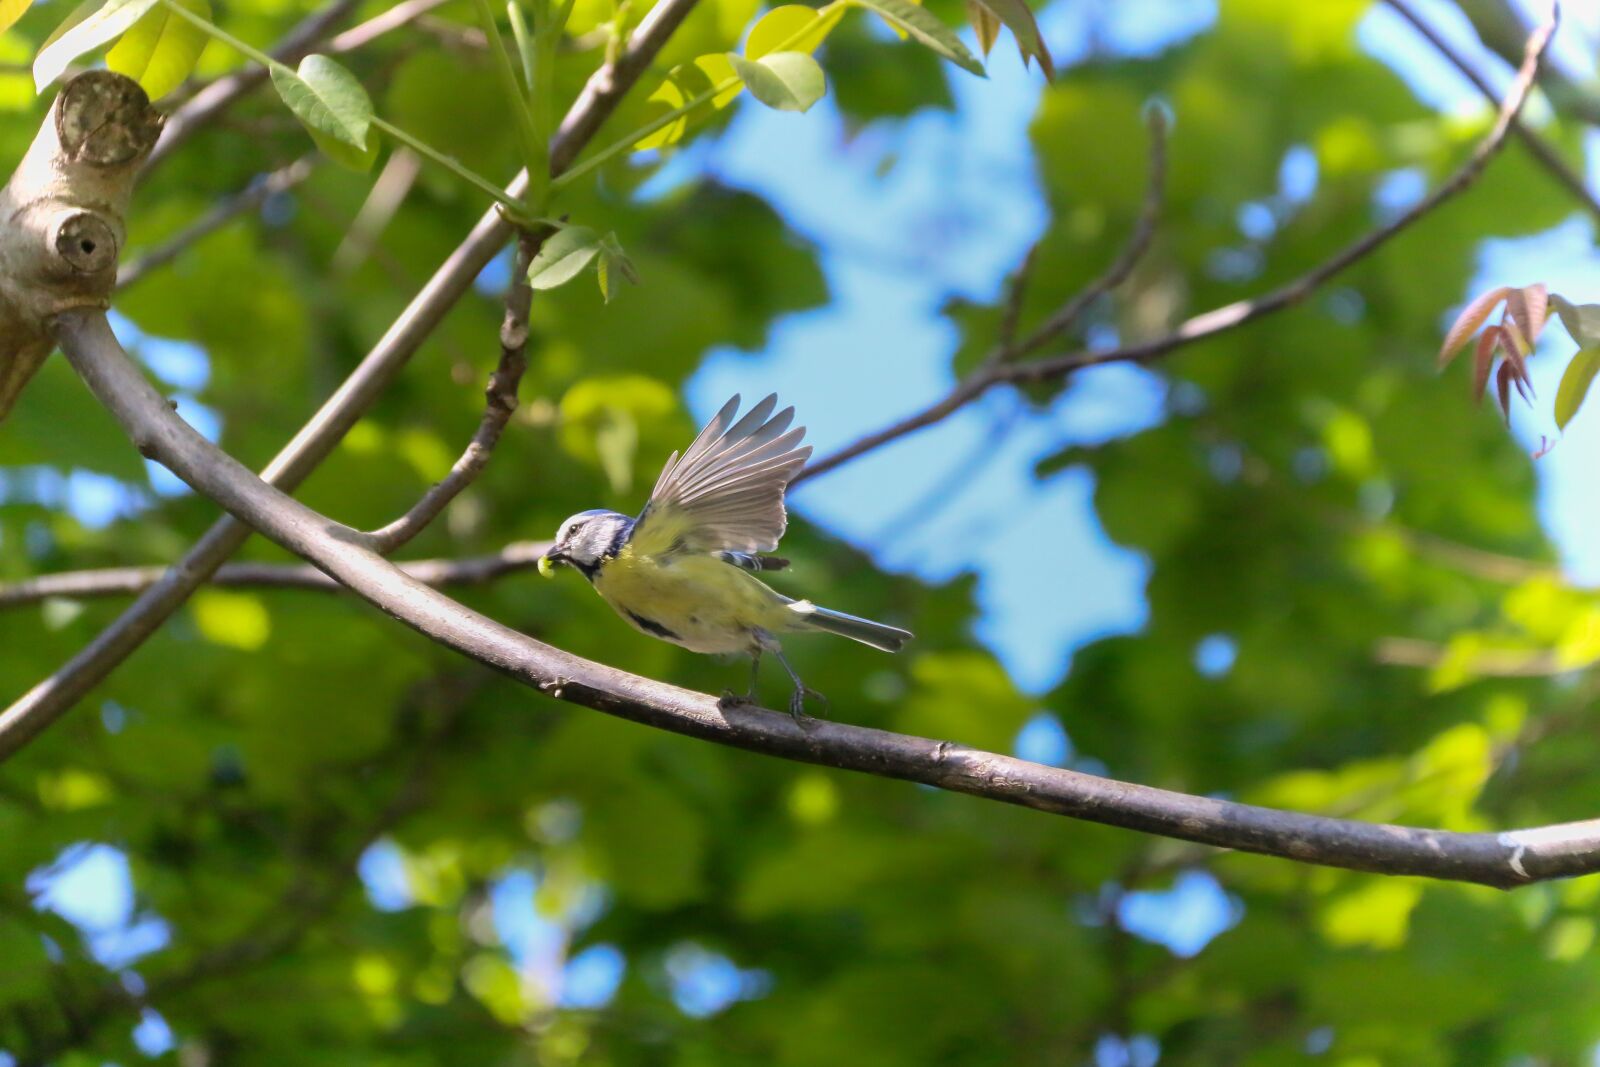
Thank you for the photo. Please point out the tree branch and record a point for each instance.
(126, 581)
(500, 402)
(1542, 150)
(995, 369)
(1506, 860)
(47, 701)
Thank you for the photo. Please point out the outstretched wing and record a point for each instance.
(725, 492)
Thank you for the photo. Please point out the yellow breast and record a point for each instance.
(698, 602)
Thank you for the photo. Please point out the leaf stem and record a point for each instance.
(519, 210)
(535, 150)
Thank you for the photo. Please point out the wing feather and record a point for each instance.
(724, 493)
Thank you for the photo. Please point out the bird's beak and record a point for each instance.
(550, 560)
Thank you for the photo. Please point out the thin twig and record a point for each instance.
(1542, 149)
(1505, 860)
(126, 581)
(393, 19)
(1218, 320)
(258, 192)
(1059, 324)
(47, 701)
(1487, 662)
(500, 401)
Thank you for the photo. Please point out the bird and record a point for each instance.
(684, 570)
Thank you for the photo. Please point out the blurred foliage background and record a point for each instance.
(288, 831)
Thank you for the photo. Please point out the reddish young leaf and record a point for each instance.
(1472, 316)
(1502, 382)
(1529, 307)
(1517, 351)
(1483, 361)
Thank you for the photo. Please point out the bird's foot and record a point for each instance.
(797, 703)
(730, 699)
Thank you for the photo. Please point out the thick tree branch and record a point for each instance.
(996, 370)
(48, 700)
(1505, 860)
(126, 581)
(500, 402)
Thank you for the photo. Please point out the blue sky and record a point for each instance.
(884, 341)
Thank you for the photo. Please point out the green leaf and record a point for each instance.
(1018, 17)
(333, 107)
(161, 49)
(614, 262)
(1581, 320)
(565, 253)
(790, 28)
(1575, 383)
(11, 11)
(786, 81)
(916, 22)
(105, 25)
(685, 82)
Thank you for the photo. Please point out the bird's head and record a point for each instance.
(585, 539)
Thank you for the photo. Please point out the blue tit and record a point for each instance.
(685, 570)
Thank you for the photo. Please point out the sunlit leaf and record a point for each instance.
(565, 253)
(161, 49)
(333, 107)
(785, 81)
(11, 11)
(102, 27)
(790, 28)
(687, 82)
(1575, 382)
(926, 28)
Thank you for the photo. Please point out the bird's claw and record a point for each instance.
(730, 699)
(797, 703)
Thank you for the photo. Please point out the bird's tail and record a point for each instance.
(876, 634)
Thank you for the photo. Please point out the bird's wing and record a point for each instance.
(725, 492)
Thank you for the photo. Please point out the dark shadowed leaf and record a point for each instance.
(1018, 17)
(985, 25)
(926, 28)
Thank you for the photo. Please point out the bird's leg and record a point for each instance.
(797, 701)
(731, 699)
